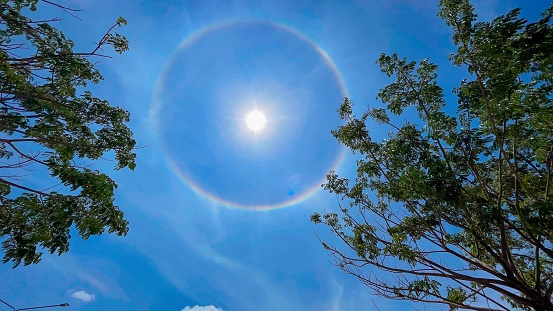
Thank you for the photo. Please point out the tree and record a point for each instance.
(50, 123)
(456, 210)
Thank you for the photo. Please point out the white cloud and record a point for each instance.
(83, 296)
(206, 308)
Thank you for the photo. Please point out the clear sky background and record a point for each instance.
(219, 214)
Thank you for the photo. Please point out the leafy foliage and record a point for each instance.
(457, 209)
(45, 122)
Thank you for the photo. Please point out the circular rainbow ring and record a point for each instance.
(156, 106)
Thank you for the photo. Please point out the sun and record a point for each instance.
(255, 120)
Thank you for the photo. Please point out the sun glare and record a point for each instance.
(255, 120)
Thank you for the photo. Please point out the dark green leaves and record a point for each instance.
(48, 125)
(458, 209)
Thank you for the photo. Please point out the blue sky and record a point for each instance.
(219, 214)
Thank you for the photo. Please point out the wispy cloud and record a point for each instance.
(337, 300)
(199, 308)
(83, 296)
(94, 274)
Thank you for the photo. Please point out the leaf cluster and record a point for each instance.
(49, 121)
(457, 209)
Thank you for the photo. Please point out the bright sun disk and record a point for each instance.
(255, 120)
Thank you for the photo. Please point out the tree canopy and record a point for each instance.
(455, 208)
(51, 124)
